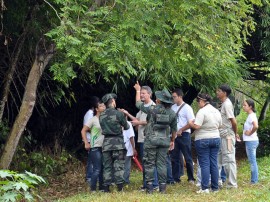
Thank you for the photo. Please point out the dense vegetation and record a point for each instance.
(53, 56)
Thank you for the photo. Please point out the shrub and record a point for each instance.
(17, 187)
(264, 138)
(41, 162)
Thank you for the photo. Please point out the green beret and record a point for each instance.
(108, 96)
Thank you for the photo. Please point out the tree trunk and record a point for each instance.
(265, 108)
(14, 59)
(28, 103)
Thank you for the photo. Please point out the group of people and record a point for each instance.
(164, 137)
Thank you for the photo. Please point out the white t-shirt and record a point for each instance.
(89, 114)
(127, 135)
(227, 112)
(141, 116)
(184, 115)
(209, 118)
(248, 126)
(96, 136)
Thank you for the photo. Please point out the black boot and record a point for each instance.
(120, 187)
(162, 188)
(106, 188)
(149, 188)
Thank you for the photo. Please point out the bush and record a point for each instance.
(41, 162)
(264, 138)
(18, 187)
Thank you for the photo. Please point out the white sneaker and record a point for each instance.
(156, 188)
(205, 191)
(220, 183)
(198, 184)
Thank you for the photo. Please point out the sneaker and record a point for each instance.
(231, 186)
(214, 190)
(171, 183)
(198, 184)
(142, 188)
(191, 182)
(205, 191)
(156, 188)
(220, 183)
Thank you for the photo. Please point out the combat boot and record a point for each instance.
(120, 187)
(162, 188)
(149, 188)
(106, 188)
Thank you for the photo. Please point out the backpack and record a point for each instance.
(159, 127)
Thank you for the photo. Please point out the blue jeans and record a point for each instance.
(182, 144)
(199, 174)
(169, 169)
(96, 156)
(89, 167)
(127, 169)
(251, 147)
(207, 150)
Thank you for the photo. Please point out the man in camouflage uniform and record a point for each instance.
(114, 152)
(161, 120)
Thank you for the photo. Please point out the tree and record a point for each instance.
(43, 56)
(194, 42)
(257, 53)
(19, 36)
(14, 58)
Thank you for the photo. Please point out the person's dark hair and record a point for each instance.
(93, 100)
(96, 106)
(205, 97)
(225, 88)
(166, 105)
(251, 104)
(178, 91)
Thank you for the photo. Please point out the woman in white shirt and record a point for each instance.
(207, 141)
(250, 138)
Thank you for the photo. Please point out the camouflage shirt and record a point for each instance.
(111, 122)
(153, 128)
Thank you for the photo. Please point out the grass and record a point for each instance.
(187, 192)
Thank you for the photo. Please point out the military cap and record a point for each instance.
(108, 96)
(164, 96)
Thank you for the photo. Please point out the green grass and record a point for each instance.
(187, 192)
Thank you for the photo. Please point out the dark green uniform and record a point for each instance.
(111, 122)
(161, 122)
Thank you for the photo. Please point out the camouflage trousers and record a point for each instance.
(155, 157)
(113, 166)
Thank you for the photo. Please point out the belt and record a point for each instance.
(112, 135)
(96, 148)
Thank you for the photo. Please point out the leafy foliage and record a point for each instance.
(41, 162)
(265, 32)
(166, 42)
(264, 137)
(15, 186)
